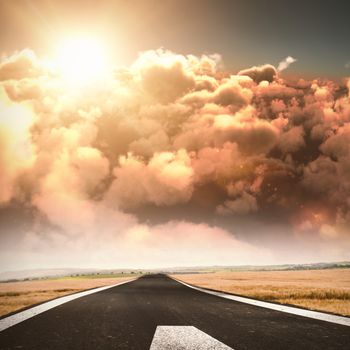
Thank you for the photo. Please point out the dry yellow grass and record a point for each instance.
(17, 295)
(323, 290)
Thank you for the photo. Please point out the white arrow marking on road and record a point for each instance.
(184, 338)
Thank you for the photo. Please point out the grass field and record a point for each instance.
(17, 295)
(323, 290)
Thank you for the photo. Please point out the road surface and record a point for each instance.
(127, 316)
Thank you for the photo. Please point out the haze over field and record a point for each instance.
(176, 157)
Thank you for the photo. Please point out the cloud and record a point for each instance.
(163, 75)
(21, 65)
(267, 72)
(284, 64)
(165, 180)
(292, 140)
(243, 205)
(172, 143)
(16, 149)
(252, 134)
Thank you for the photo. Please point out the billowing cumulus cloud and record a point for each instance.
(266, 72)
(165, 180)
(170, 162)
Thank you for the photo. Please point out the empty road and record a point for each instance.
(127, 316)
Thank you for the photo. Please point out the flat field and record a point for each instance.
(17, 295)
(322, 290)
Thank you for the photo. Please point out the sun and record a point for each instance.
(81, 60)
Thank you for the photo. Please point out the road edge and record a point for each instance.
(317, 315)
(30, 312)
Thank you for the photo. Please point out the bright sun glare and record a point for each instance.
(81, 60)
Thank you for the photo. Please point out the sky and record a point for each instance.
(173, 133)
(245, 33)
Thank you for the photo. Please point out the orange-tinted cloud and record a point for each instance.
(161, 133)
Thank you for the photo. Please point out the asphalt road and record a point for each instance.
(126, 317)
